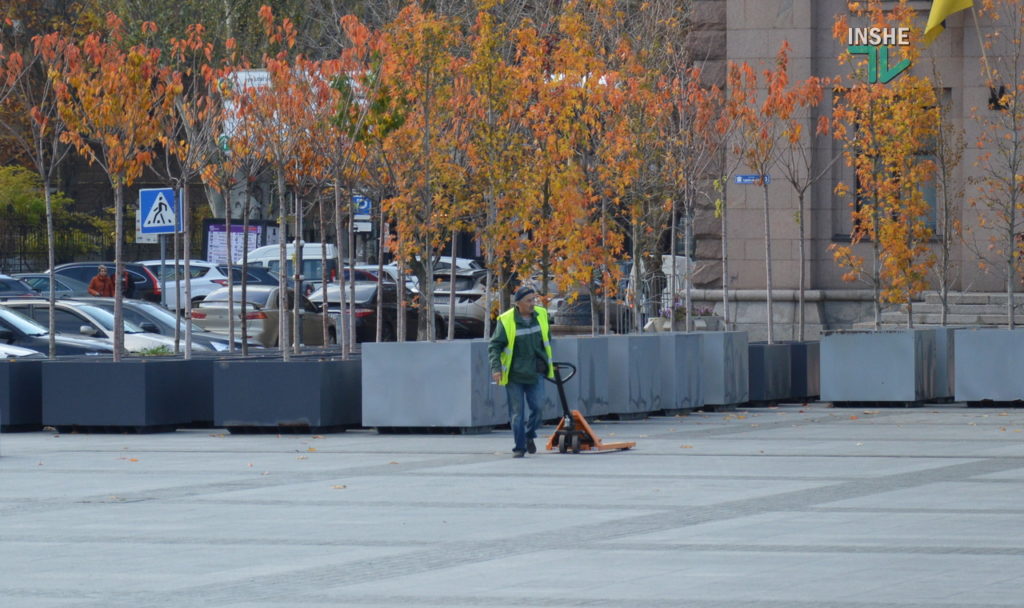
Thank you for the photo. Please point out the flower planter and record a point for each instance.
(634, 375)
(304, 394)
(681, 357)
(144, 395)
(987, 365)
(725, 369)
(431, 386)
(588, 390)
(770, 372)
(885, 367)
(805, 379)
(20, 395)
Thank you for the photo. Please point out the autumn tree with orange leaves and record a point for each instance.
(109, 96)
(886, 130)
(30, 118)
(764, 129)
(999, 190)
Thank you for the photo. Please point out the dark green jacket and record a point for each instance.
(528, 348)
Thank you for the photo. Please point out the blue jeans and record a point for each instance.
(533, 395)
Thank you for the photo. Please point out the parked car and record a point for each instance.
(261, 315)
(156, 319)
(255, 275)
(20, 331)
(84, 319)
(365, 310)
(204, 277)
(311, 268)
(11, 287)
(65, 287)
(147, 287)
(390, 274)
(16, 352)
(577, 312)
(470, 287)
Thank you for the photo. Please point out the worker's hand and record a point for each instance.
(496, 376)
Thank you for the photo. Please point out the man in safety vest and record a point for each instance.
(520, 352)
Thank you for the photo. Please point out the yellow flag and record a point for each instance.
(941, 9)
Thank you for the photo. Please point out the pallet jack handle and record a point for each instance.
(559, 381)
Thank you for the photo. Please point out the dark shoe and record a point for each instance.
(518, 453)
(531, 447)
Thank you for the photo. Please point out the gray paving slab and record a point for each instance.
(797, 506)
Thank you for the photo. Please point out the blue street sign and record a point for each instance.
(363, 204)
(157, 210)
(748, 180)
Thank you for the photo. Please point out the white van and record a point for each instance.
(268, 257)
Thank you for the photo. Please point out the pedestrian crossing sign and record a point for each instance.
(158, 211)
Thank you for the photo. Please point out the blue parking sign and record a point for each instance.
(158, 211)
(363, 205)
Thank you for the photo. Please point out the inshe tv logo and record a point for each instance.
(875, 42)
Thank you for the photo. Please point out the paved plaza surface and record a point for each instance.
(787, 507)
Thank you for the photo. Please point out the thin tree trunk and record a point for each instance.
(380, 276)
(186, 254)
(245, 270)
(606, 278)
(51, 261)
(351, 234)
(803, 267)
(233, 314)
(282, 269)
(346, 317)
(118, 271)
(451, 287)
(768, 265)
(672, 252)
(725, 264)
(297, 255)
(176, 245)
(875, 279)
(324, 279)
(688, 285)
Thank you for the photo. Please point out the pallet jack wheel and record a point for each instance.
(562, 447)
(575, 443)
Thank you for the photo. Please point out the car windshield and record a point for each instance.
(21, 322)
(106, 319)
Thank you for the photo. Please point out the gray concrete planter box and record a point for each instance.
(725, 368)
(805, 367)
(441, 386)
(885, 367)
(305, 394)
(988, 365)
(945, 363)
(588, 390)
(770, 372)
(21, 395)
(144, 395)
(681, 358)
(634, 375)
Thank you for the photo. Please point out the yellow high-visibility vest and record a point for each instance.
(508, 321)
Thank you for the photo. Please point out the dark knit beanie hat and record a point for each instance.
(522, 292)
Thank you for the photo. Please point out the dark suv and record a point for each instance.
(147, 287)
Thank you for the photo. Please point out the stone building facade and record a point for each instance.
(752, 31)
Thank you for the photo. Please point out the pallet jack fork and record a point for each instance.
(573, 432)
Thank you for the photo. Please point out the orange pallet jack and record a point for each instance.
(573, 432)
